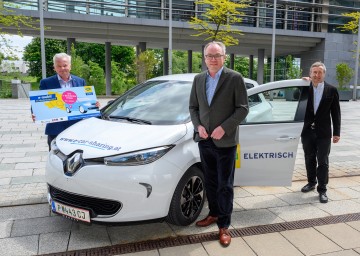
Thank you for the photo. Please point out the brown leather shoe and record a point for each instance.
(207, 221)
(224, 236)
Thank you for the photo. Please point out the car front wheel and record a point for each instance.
(82, 109)
(188, 199)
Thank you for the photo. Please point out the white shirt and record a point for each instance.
(318, 92)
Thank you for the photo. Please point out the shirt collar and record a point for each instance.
(60, 79)
(320, 86)
(217, 75)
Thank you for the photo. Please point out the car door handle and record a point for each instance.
(287, 138)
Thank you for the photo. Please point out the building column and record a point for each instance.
(324, 16)
(251, 66)
(260, 71)
(232, 60)
(166, 61)
(203, 64)
(141, 47)
(108, 68)
(70, 42)
(189, 61)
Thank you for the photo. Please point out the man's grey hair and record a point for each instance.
(61, 55)
(222, 46)
(318, 64)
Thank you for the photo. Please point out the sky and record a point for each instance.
(18, 43)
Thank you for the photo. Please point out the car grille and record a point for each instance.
(98, 207)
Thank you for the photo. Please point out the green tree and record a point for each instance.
(123, 55)
(217, 20)
(32, 54)
(146, 63)
(343, 74)
(97, 78)
(8, 18)
(292, 71)
(352, 25)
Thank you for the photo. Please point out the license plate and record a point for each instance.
(72, 212)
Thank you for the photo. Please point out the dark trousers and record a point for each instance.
(317, 152)
(219, 168)
(50, 139)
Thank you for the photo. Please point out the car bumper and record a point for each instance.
(127, 186)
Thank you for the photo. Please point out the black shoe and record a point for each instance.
(308, 187)
(323, 198)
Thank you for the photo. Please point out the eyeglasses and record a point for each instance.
(211, 57)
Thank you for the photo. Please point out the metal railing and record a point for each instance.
(305, 15)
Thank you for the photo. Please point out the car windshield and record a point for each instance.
(154, 102)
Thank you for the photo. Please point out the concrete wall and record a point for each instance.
(335, 48)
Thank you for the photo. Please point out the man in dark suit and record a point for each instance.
(218, 103)
(323, 108)
(62, 79)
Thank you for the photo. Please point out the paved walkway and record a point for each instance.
(27, 226)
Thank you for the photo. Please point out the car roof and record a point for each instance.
(190, 77)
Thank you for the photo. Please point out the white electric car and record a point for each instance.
(138, 161)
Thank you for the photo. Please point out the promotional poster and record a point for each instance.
(63, 104)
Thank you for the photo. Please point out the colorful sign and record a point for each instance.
(64, 104)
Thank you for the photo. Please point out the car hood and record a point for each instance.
(99, 138)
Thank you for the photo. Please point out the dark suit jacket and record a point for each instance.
(53, 83)
(328, 110)
(228, 108)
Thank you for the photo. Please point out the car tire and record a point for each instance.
(68, 110)
(188, 199)
(82, 109)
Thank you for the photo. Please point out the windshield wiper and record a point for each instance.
(130, 119)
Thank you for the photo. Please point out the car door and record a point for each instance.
(269, 136)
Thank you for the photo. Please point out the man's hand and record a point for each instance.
(97, 104)
(218, 133)
(336, 139)
(202, 132)
(33, 117)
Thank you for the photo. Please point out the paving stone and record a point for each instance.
(354, 224)
(342, 234)
(28, 179)
(272, 244)
(240, 192)
(342, 193)
(258, 202)
(254, 218)
(257, 191)
(342, 183)
(128, 234)
(53, 242)
(303, 239)
(340, 207)
(41, 225)
(5, 181)
(298, 212)
(146, 253)
(298, 197)
(184, 250)
(341, 253)
(88, 238)
(24, 212)
(237, 247)
(19, 246)
(5, 228)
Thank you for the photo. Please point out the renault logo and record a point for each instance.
(74, 163)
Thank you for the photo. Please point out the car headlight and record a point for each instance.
(142, 157)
